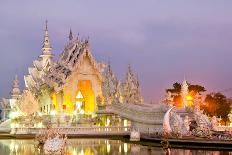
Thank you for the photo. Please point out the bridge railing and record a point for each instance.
(224, 128)
(76, 130)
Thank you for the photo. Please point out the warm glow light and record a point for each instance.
(88, 100)
(13, 115)
(82, 112)
(12, 125)
(125, 147)
(108, 147)
(125, 122)
(53, 112)
(74, 152)
(107, 121)
(40, 125)
(189, 98)
(74, 112)
(79, 96)
(16, 148)
(68, 106)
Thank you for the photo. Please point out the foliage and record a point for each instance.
(192, 88)
(216, 104)
(196, 89)
(176, 88)
(176, 92)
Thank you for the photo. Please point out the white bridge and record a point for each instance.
(94, 130)
(145, 118)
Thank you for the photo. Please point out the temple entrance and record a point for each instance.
(85, 101)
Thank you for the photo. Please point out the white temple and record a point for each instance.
(78, 90)
(72, 84)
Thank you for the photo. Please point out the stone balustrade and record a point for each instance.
(94, 130)
(223, 128)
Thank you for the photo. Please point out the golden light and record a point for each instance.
(108, 147)
(13, 115)
(87, 94)
(79, 96)
(189, 98)
(53, 112)
(125, 148)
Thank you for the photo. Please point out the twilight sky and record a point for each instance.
(164, 41)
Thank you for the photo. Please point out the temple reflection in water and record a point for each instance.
(95, 147)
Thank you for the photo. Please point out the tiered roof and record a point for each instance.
(70, 60)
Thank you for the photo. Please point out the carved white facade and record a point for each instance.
(130, 88)
(110, 87)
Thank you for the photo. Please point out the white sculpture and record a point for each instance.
(54, 145)
(186, 125)
(166, 122)
(28, 103)
(214, 123)
(177, 124)
(204, 125)
(135, 136)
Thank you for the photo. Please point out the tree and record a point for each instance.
(176, 88)
(175, 91)
(216, 104)
(196, 89)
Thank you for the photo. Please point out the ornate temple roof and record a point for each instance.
(69, 60)
(41, 66)
(54, 74)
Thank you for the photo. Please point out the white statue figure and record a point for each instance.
(166, 122)
(186, 124)
(54, 145)
(204, 125)
(28, 103)
(214, 123)
(176, 124)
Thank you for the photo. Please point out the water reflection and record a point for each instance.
(95, 147)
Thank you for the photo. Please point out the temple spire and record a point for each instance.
(15, 88)
(70, 35)
(46, 49)
(184, 92)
